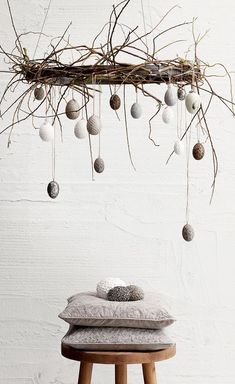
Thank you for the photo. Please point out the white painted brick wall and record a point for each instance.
(125, 224)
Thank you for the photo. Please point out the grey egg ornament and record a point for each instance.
(115, 102)
(198, 151)
(39, 93)
(94, 125)
(170, 96)
(136, 111)
(72, 109)
(99, 165)
(119, 293)
(53, 189)
(192, 102)
(181, 94)
(188, 232)
(80, 130)
(136, 293)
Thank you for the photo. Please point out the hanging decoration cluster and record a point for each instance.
(68, 89)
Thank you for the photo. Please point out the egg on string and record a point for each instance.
(99, 165)
(198, 151)
(115, 102)
(39, 93)
(80, 130)
(53, 189)
(188, 232)
(192, 102)
(179, 147)
(170, 96)
(72, 109)
(167, 115)
(181, 93)
(46, 131)
(136, 110)
(94, 125)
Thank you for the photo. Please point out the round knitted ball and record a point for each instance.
(136, 293)
(104, 286)
(119, 293)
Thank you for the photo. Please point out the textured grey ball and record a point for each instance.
(188, 232)
(53, 189)
(136, 293)
(181, 94)
(99, 165)
(39, 93)
(119, 294)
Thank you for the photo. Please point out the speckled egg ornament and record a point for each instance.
(94, 125)
(192, 102)
(198, 151)
(72, 109)
(136, 111)
(39, 93)
(167, 115)
(80, 130)
(53, 189)
(170, 96)
(115, 102)
(99, 165)
(119, 293)
(188, 232)
(104, 286)
(136, 293)
(46, 131)
(181, 94)
(179, 147)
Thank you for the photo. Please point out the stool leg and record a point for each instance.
(149, 373)
(120, 374)
(85, 373)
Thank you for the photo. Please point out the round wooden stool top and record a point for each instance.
(110, 357)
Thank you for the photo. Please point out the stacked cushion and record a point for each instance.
(99, 324)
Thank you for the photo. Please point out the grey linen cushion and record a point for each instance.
(116, 339)
(86, 309)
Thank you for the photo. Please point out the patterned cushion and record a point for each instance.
(86, 309)
(116, 339)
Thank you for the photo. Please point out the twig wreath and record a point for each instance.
(50, 80)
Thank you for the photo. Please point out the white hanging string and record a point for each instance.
(41, 31)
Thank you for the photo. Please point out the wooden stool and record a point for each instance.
(120, 359)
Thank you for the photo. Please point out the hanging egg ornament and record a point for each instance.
(136, 111)
(80, 130)
(72, 109)
(192, 102)
(167, 115)
(181, 94)
(170, 96)
(115, 102)
(198, 151)
(188, 232)
(46, 131)
(39, 93)
(179, 147)
(94, 125)
(99, 165)
(53, 189)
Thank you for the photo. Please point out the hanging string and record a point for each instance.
(126, 125)
(188, 145)
(100, 93)
(53, 141)
(43, 25)
(144, 23)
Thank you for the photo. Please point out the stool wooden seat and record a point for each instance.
(120, 360)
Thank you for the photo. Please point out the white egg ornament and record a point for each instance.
(170, 96)
(192, 102)
(80, 130)
(94, 125)
(136, 111)
(167, 115)
(72, 109)
(46, 131)
(179, 147)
